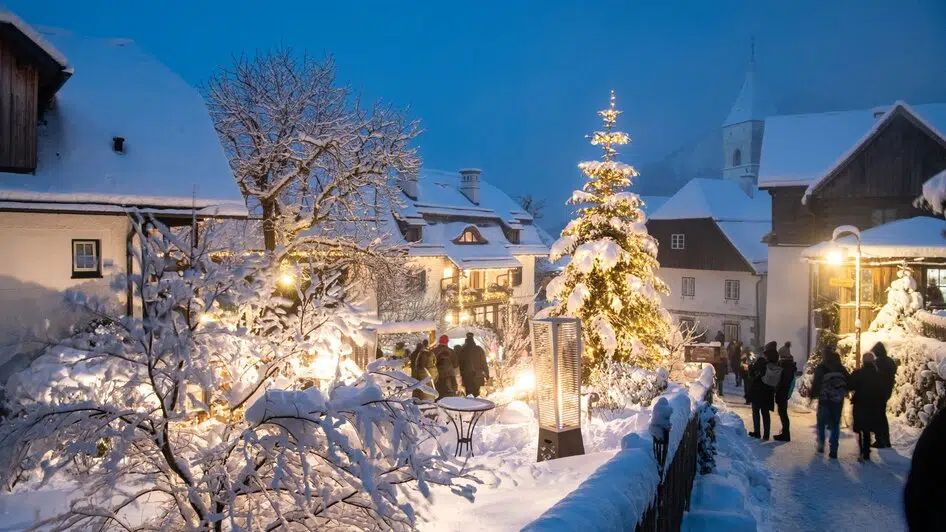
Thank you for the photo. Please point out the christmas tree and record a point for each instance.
(610, 282)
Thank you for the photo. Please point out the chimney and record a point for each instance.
(879, 111)
(470, 184)
(410, 186)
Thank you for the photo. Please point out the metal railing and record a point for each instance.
(665, 512)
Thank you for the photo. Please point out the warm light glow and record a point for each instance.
(286, 280)
(835, 256)
(464, 317)
(206, 317)
(447, 272)
(449, 319)
(525, 381)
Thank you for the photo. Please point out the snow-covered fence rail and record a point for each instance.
(934, 325)
(637, 489)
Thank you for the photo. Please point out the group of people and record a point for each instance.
(871, 384)
(447, 368)
(769, 383)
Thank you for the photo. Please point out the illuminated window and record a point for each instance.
(470, 235)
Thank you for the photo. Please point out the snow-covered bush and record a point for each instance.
(621, 385)
(204, 406)
(903, 302)
(706, 449)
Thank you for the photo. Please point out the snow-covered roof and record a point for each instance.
(918, 237)
(439, 194)
(719, 199)
(443, 212)
(751, 104)
(8, 17)
(653, 203)
(744, 220)
(118, 90)
(798, 150)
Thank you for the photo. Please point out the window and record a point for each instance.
(516, 276)
(732, 290)
(677, 241)
(687, 324)
(737, 158)
(936, 287)
(477, 279)
(413, 234)
(418, 281)
(487, 314)
(882, 216)
(731, 331)
(689, 287)
(513, 236)
(470, 235)
(86, 259)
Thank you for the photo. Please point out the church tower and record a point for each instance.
(743, 129)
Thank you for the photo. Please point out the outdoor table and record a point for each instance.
(459, 407)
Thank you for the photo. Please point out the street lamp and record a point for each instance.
(835, 257)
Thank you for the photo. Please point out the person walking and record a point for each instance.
(925, 490)
(720, 366)
(869, 400)
(783, 392)
(888, 372)
(829, 385)
(446, 368)
(473, 367)
(765, 373)
(423, 365)
(734, 353)
(746, 374)
(785, 351)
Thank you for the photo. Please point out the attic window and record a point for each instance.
(413, 234)
(677, 241)
(118, 144)
(470, 235)
(513, 236)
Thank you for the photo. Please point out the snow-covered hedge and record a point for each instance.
(621, 385)
(706, 453)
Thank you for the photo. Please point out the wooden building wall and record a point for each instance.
(19, 86)
(887, 174)
(706, 247)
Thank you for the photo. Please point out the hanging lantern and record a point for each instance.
(556, 348)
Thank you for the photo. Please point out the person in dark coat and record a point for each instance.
(447, 368)
(762, 395)
(720, 337)
(746, 375)
(734, 354)
(784, 391)
(720, 366)
(785, 350)
(925, 490)
(423, 365)
(473, 367)
(869, 400)
(888, 371)
(829, 385)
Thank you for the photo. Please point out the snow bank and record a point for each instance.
(621, 490)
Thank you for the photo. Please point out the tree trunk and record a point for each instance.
(269, 224)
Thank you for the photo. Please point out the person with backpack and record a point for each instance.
(423, 365)
(888, 372)
(447, 367)
(783, 392)
(474, 370)
(869, 400)
(766, 374)
(829, 385)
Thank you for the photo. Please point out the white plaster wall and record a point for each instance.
(786, 316)
(36, 265)
(524, 293)
(709, 305)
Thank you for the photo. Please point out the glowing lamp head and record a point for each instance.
(286, 280)
(449, 319)
(447, 272)
(835, 256)
(464, 317)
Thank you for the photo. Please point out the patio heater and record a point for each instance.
(556, 348)
(836, 256)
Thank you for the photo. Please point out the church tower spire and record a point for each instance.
(743, 128)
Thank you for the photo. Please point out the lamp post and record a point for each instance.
(838, 232)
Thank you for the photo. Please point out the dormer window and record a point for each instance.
(470, 235)
(413, 234)
(514, 236)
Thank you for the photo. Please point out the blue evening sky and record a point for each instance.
(511, 87)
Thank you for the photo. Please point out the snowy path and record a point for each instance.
(811, 492)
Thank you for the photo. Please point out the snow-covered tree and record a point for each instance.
(903, 301)
(219, 408)
(610, 282)
(317, 163)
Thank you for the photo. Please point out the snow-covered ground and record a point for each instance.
(812, 492)
(737, 497)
